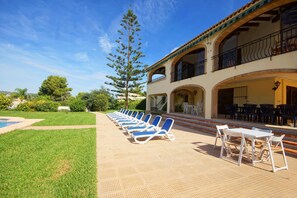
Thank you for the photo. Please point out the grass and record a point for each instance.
(55, 118)
(56, 163)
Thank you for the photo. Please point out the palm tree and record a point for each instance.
(21, 93)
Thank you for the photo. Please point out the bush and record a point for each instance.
(5, 102)
(46, 106)
(100, 103)
(24, 107)
(141, 105)
(77, 105)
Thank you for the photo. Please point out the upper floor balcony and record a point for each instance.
(190, 65)
(273, 44)
(269, 34)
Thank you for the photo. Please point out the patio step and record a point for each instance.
(209, 126)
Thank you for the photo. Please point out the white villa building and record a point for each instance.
(250, 57)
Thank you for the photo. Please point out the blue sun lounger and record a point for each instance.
(133, 117)
(144, 122)
(132, 122)
(116, 113)
(164, 132)
(125, 116)
(154, 125)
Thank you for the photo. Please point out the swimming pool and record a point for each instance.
(5, 124)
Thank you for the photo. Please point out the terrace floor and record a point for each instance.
(186, 167)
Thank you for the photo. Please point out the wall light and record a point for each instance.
(276, 85)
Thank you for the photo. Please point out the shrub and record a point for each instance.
(141, 105)
(5, 102)
(46, 106)
(100, 103)
(24, 107)
(77, 105)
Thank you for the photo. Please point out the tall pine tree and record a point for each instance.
(129, 70)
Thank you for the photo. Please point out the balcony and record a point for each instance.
(279, 42)
(188, 71)
(156, 79)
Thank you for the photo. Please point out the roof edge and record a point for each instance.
(226, 22)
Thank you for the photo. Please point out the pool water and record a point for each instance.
(4, 124)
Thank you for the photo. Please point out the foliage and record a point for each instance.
(126, 61)
(93, 102)
(55, 118)
(100, 103)
(21, 93)
(55, 163)
(5, 102)
(141, 105)
(119, 104)
(56, 87)
(46, 106)
(77, 105)
(26, 106)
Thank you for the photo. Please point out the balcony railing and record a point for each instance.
(156, 79)
(270, 45)
(197, 70)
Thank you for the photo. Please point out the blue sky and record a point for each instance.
(72, 38)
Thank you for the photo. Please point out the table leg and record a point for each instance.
(253, 151)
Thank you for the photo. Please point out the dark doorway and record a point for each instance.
(292, 95)
(225, 97)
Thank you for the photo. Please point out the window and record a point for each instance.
(190, 65)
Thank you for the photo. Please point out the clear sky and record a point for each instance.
(71, 38)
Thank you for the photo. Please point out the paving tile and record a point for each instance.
(187, 167)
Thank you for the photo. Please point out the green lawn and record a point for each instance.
(56, 163)
(55, 118)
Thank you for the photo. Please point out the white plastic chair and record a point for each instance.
(219, 133)
(276, 144)
(227, 143)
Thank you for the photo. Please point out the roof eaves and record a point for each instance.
(232, 18)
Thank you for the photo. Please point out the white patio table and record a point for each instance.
(252, 135)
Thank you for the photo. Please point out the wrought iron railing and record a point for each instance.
(156, 79)
(279, 42)
(199, 69)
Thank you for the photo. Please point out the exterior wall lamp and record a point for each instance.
(276, 85)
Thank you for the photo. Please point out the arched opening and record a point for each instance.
(190, 65)
(158, 74)
(272, 88)
(188, 99)
(269, 34)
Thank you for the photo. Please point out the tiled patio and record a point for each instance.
(187, 167)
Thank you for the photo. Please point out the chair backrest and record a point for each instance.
(135, 114)
(157, 121)
(220, 129)
(262, 130)
(167, 124)
(267, 108)
(130, 113)
(228, 134)
(140, 115)
(147, 118)
(277, 138)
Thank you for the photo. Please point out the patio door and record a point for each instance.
(291, 95)
(225, 97)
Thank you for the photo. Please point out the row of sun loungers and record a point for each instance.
(139, 128)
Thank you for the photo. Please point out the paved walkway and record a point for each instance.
(187, 167)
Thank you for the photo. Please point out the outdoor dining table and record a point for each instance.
(253, 135)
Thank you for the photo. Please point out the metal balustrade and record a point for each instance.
(279, 42)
